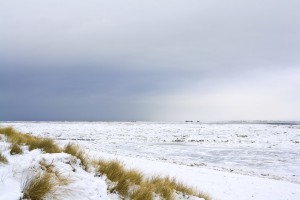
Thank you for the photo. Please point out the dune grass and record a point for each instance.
(3, 159)
(33, 142)
(46, 145)
(116, 172)
(38, 186)
(43, 182)
(132, 183)
(15, 149)
(142, 194)
(74, 150)
(127, 183)
(165, 188)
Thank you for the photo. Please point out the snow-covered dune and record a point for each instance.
(229, 161)
(220, 185)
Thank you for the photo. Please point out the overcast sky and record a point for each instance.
(166, 60)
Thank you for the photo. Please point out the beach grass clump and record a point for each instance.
(15, 149)
(43, 183)
(143, 193)
(8, 131)
(165, 188)
(3, 159)
(74, 150)
(47, 145)
(115, 172)
(132, 183)
(37, 186)
(155, 185)
(15, 137)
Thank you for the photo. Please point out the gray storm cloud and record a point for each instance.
(149, 60)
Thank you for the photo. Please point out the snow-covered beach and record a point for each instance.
(228, 161)
(150, 100)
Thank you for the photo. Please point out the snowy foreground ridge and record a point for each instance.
(82, 185)
(32, 174)
(227, 161)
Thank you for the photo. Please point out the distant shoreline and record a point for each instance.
(271, 122)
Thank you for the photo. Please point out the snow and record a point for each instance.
(221, 185)
(82, 185)
(228, 161)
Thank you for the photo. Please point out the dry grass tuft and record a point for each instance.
(132, 184)
(112, 169)
(204, 196)
(15, 149)
(74, 150)
(38, 186)
(116, 172)
(15, 137)
(142, 193)
(47, 145)
(3, 159)
(8, 131)
(160, 186)
(165, 187)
